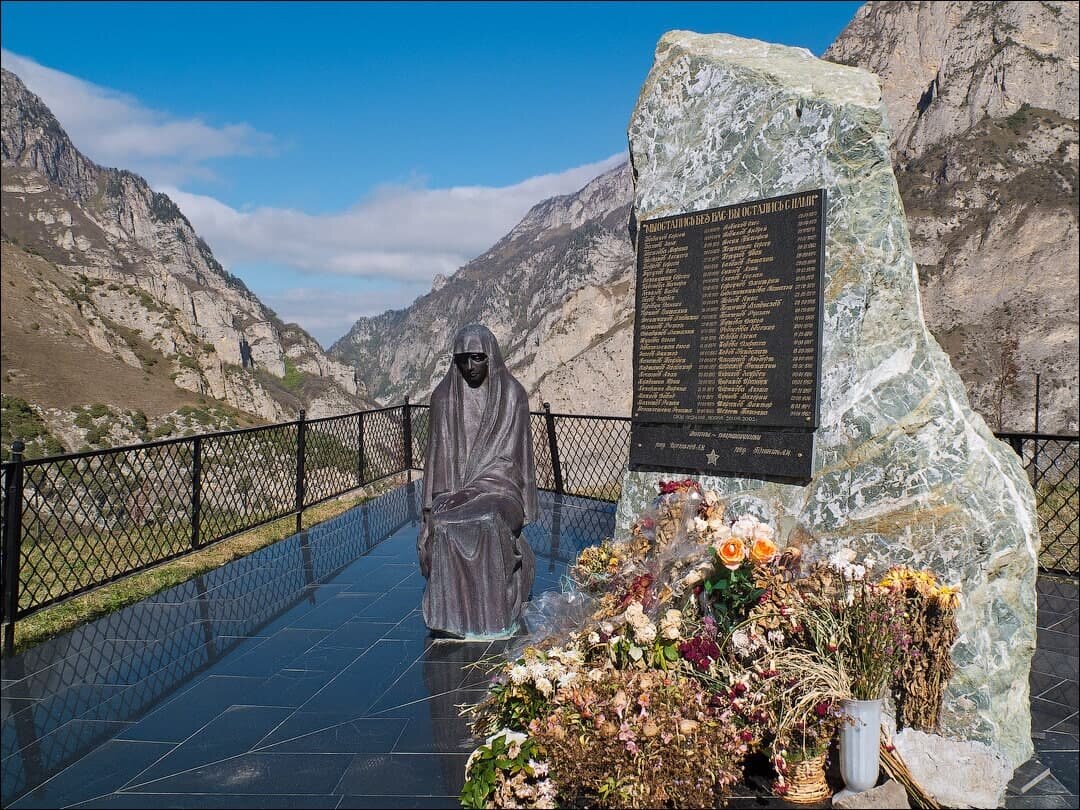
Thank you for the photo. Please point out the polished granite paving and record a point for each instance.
(1052, 776)
(299, 676)
(303, 676)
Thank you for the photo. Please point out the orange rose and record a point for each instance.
(732, 552)
(762, 550)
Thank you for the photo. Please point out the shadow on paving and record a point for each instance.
(303, 676)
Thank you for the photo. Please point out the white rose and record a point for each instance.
(743, 528)
(700, 525)
(594, 637)
(635, 615)
(544, 687)
(740, 641)
(842, 557)
(646, 634)
(512, 737)
(763, 531)
(721, 534)
(608, 628)
(716, 524)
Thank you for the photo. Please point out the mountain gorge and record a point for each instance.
(983, 104)
(110, 298)
(557, 291)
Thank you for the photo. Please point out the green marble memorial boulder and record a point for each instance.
(903, 469)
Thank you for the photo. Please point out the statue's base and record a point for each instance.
(500, 635)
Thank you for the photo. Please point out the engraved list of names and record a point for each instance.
(728, 317)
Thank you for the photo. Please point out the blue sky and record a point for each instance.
(337, 155)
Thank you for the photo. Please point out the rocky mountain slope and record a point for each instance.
(557, 291)
(982, 100)
(109, 296)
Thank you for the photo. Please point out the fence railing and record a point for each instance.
(1052, 463)
(75, 522)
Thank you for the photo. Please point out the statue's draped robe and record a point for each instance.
(479, 568)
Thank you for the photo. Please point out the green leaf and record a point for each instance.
(671, 653)
(635, 653)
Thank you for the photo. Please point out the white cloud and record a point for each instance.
(401, 232)
(328, 313)
(115, 129)
(399, 237)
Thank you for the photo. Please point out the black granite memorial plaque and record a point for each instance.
(727, 338)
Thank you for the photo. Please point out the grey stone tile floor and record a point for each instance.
(302, 676)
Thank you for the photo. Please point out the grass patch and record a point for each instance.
(293, 378)
(62, 618)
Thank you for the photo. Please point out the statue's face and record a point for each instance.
(473, 367)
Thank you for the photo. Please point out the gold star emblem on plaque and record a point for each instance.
(712, 457)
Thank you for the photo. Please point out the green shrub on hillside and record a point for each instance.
(18, 420)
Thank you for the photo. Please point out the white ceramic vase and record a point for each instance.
(860, 738)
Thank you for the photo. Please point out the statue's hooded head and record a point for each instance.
(476, 354)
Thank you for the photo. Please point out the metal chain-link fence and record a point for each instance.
(75, 522)
(1053, 467)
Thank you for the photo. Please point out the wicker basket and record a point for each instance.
(806, 781)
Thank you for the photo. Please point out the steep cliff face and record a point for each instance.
(100, 263)
(557, 291)
(982, 101)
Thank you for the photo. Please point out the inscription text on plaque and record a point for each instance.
(727, 338)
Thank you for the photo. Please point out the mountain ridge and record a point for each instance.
(100, 262)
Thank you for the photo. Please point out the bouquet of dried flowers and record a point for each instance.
(930, 609)
(705, 643)
(507, 771)
(597, 566)
(636, 738)
(857, 628)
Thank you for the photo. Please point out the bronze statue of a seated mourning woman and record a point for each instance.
(479, 491)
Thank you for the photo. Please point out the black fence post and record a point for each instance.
(360, 448)
(196, 490)
(1035, 453)
(406, 436)
(553, 448)
(13, 506)
(1017, 444)
(301, 450)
